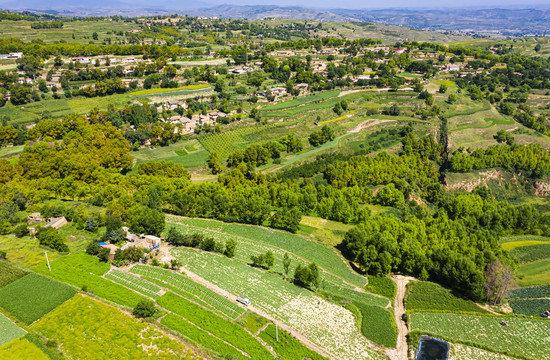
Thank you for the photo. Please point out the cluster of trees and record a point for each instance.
(47, 25)
(265, 261)
(256, 155)
(200, 241)
(51, 238)
(319, 137)
(533, 158)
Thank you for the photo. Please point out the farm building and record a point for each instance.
(35, 218)
(146, 241)
(56, 223)
(112, 249)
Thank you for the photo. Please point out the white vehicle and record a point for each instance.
(243, 301)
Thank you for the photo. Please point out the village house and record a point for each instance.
(81, 59)
(278, 91)
(15, 55)
(112, 249)
(56, 223)
(453, 67)
(23, 80)
(35, 218)
(146, 241)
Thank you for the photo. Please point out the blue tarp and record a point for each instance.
(102, 243)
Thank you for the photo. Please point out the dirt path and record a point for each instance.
(401, 350)
(368, 123)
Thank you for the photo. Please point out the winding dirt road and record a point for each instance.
(401, 350)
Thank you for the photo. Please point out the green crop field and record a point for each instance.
(530, 306)
(8, 330)
(227, 142)
(22, 349)
(381, 285)
(75, 327)
(61, 107)
(81, 269)
(536, 273)
(11, 151)
(252, 322)
(464, 352)
(377, 324)
(511, 245)
(252, 236)
(188, 289)
(287, 347)
(26, 251)
(530, 293)
(531, 253)
(134, 283)
(525, 338)
(81, 29)
(317, 319)
(196, 334)
(178, 153)
(9, 273)
(302, 101)
(425, 295)
(33, 296)
(208, 321)
(168, 91)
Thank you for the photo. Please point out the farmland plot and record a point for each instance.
(463, 352)
(22, 349)
(193, 332)
(8, 330)
(129, 281)
(325, 257)
(530, 306)
(9, 273)
(221, 328)
(247, 247)
(288, 348)
(525, 337)
(81, 269)
(324, 323)
(33, 296)
(189, 289)
(75, 327)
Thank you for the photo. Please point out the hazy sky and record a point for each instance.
(369, 4)
(348, 4)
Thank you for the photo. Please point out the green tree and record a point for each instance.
(286, 264)
(214, 163)
(144, 220)
(144, 309)
(230, 248)
(91, 224)
(269, 259)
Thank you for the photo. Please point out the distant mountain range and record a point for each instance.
(508, 22)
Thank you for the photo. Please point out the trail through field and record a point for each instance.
(368, 123)
(401, 350)
(304, 340)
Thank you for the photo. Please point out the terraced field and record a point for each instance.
(251, 239)
(325, 323)
(188, 289)
(524, 338)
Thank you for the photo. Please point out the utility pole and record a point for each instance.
(48, 260)
(276, 331)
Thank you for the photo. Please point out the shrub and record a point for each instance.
(144, 309)
(50, 237)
